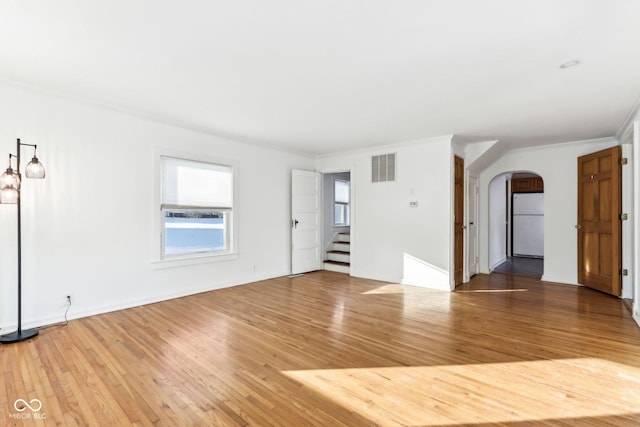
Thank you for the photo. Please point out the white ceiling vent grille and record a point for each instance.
(383, 167)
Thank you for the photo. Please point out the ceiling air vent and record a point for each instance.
(383, 167)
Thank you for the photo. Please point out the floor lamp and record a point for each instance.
(10, 183)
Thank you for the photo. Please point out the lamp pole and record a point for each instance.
(15, 190)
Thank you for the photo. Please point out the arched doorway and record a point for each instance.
(516, 223)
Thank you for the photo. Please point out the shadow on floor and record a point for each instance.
(521, 265)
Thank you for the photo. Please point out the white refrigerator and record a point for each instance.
(528, 224)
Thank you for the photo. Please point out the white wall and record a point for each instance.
(87, 227)
(557, 165)
(497, 218)
(390, 240)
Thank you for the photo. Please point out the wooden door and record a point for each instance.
(458, 227)
(306, 252)
(599, 227)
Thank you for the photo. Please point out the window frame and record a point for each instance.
(162, 260)
(227, 221)
(342, 204)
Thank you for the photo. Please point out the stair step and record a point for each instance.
(339, 256)
(341, 246)
(338, 263)
(344, 237)
(340, 267)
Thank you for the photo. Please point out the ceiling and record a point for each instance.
(323, 76)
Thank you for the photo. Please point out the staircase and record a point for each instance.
(339, 257)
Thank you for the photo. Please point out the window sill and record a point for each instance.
(184, 261)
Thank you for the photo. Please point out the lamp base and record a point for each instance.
(18, 336)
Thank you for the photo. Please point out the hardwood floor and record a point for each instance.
(325, 349)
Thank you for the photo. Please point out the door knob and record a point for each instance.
(578, 226)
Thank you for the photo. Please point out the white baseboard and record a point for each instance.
(497, 263)
(373, 276)
(75, 314)
(547, 278)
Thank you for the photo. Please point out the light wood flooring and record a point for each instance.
(325, 349)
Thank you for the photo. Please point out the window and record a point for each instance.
(196, 206)
(341, 203)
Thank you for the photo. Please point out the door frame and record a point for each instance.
(508, 220)
(475, 195)
(634, 248)
(628, 239)
(352, 208)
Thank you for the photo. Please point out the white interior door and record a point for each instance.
(306, 254)
(472, 228)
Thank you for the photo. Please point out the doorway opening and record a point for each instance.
(516, 223)
(337, 221)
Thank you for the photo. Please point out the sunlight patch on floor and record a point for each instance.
(481, 393)
(391, 288)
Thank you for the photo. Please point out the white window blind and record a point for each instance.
(196, 184)
(342, 191)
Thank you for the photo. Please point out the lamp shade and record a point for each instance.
(34, 169)
(9, 195)
(9, 179)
